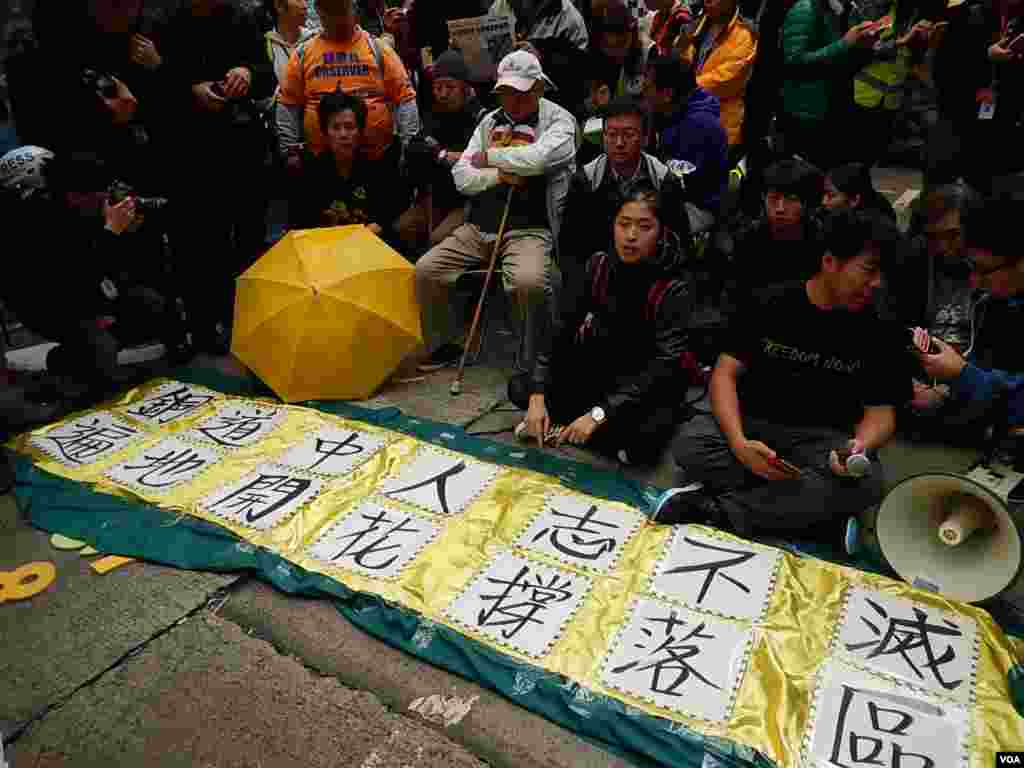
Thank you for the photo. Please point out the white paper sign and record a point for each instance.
(439, 481)
(580, 531)
(861, 720)
(688, 662)
(704, 572)
(170, 402)
(374, 540)
(237, 425)
(484, 41)
(913, 642)
(264, 498)
(520, 604)
(87, 439)
(164, 466)
(333, 451)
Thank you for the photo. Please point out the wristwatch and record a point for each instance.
(597, 414)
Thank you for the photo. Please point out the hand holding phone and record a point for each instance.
(781, 464)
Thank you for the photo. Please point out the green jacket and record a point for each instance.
(812, 51)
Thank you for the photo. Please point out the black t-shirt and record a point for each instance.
(811, 367)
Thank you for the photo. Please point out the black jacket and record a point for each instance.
(204, 48)
(71, 257)
(636, 318)
(452, 132)
(752, 260)
(366, 197)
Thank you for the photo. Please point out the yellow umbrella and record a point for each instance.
(326, 314)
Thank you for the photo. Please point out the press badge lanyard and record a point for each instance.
(987, 96)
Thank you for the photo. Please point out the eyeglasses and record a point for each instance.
(627, 135)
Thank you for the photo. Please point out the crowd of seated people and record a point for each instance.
(601, 149)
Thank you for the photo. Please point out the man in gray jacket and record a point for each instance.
(520, 159)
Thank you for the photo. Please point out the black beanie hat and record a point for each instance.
(451, 64)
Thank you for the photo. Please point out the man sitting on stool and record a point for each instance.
(529, 144)
(805, 368)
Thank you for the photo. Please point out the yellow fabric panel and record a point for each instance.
(790, 642)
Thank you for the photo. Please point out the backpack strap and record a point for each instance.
(599, 289)
(654, 297)
(687, 360)
(375, 50)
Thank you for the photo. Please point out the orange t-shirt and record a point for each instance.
(318, 66)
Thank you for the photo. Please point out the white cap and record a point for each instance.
(521, 70)
(21, 169)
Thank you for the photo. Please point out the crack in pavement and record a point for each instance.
(218, 596)
(253, 630)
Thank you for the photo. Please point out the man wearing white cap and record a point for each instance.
(529, 144)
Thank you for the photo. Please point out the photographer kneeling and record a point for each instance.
(72, 277)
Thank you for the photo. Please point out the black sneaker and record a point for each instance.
(445, 356)
(689, 504)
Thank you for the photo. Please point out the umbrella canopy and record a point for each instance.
(326, 314)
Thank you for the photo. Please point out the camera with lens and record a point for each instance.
(100, 83)
(241, 111)
(120, 191)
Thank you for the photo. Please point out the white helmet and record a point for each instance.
(21, 170)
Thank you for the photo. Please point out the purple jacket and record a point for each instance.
(694, 134)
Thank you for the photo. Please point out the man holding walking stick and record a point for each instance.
(530, 144)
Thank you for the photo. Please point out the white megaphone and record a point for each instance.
(957, 535)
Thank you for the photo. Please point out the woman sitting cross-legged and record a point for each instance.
(340, 186)
(616, 376)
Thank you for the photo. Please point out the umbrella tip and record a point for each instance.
(456, 388)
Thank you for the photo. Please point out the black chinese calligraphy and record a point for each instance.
(521, 601)
(332, 451)
(88, 439)
(170, 403)
(704, 571)
(915, 640)
(439, 481)
(378, 541)
(238, 427)
(715, 567)
(327, 450)
(875, 728)
(581, 531)
(682, 660)
(165, 465)
(668, 655)
(586, 538)
(264, 498)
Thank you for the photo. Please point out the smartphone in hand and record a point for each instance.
(785, 466)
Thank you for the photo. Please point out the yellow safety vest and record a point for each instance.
(880, 83)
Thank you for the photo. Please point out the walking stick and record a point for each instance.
(456, 388)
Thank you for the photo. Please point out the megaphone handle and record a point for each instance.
(998, 426)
